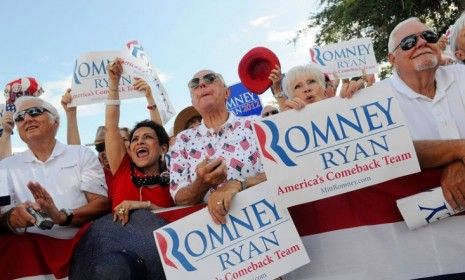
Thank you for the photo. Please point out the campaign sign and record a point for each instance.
(425, 208)
(336, 146)
(137, 63)
(259, 241)
(90, 79)
(346, 59)
(242, 102)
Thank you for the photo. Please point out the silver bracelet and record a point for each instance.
(112, 102)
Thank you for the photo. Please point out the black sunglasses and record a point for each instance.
(411, 40)
(33, 112)
(207, 78)
(100, 147)
(269, 113)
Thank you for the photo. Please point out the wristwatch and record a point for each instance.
(243, 182)
(69, 216)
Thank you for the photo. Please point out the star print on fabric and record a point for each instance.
(195, 154)
(229, 148)
(210, 150)
(178, 168)
(234, 163)
(253, 157)
(245, 144)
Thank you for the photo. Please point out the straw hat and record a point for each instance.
(183, 117)
(99, 136)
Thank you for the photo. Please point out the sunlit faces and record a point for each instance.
(308, 88)
(144, 148)
(36, 127)
(208, 95)
(422, 56)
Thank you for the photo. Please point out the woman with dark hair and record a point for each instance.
(121, 245)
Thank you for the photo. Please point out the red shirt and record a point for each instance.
(122, 188)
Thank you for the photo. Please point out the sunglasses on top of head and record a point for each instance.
(207, 78)
(33, 112)
(410, 41)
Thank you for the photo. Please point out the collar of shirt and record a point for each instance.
(205, 131)
(57, 150)
(443, 81)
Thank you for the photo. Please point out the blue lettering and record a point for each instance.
(434, 211)
(305, 136)
(203, 243)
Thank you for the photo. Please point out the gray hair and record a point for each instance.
(458, 26)
(40, 102)
(391, 43)
(297, 71)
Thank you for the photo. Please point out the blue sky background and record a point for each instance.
(43, 38)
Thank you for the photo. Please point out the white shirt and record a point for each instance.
(68, 172)
(440, 118)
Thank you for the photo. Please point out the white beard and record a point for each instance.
(427, 64)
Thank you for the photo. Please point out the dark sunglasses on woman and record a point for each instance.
(33, 112)
(411, 40)
(207, 78)
(100, 147)
(269, 113)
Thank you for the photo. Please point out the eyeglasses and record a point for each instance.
(33, 112)
(207, 78)
(411, 40)
(269, 113)
(100, 147)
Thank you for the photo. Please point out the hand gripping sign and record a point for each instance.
(259, 241)
(425, 208)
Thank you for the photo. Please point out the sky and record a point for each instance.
(42, 39)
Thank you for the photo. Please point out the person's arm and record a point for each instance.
(142, 85)
(436, 153)
(97, 206)
(449, 154)
(73, 136)
(276, 87)
(114, 143)
(5, 139)
(210, 173)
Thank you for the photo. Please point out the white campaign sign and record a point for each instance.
(346, 59)
(425, 208)
(335, 146)
(90, 79)
(137, 63)
(259, 241)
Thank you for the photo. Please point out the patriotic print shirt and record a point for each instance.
(234, 141)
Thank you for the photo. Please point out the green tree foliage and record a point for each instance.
(346, 19)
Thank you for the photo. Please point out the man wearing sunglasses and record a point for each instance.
(64, 183)
(432, 98)
(217, 159)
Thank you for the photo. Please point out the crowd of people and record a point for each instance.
(211, 157)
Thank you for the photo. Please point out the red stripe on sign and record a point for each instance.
(368, 206)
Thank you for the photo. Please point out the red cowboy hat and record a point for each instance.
(255, 68)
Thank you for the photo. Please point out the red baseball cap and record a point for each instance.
(255, 68)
